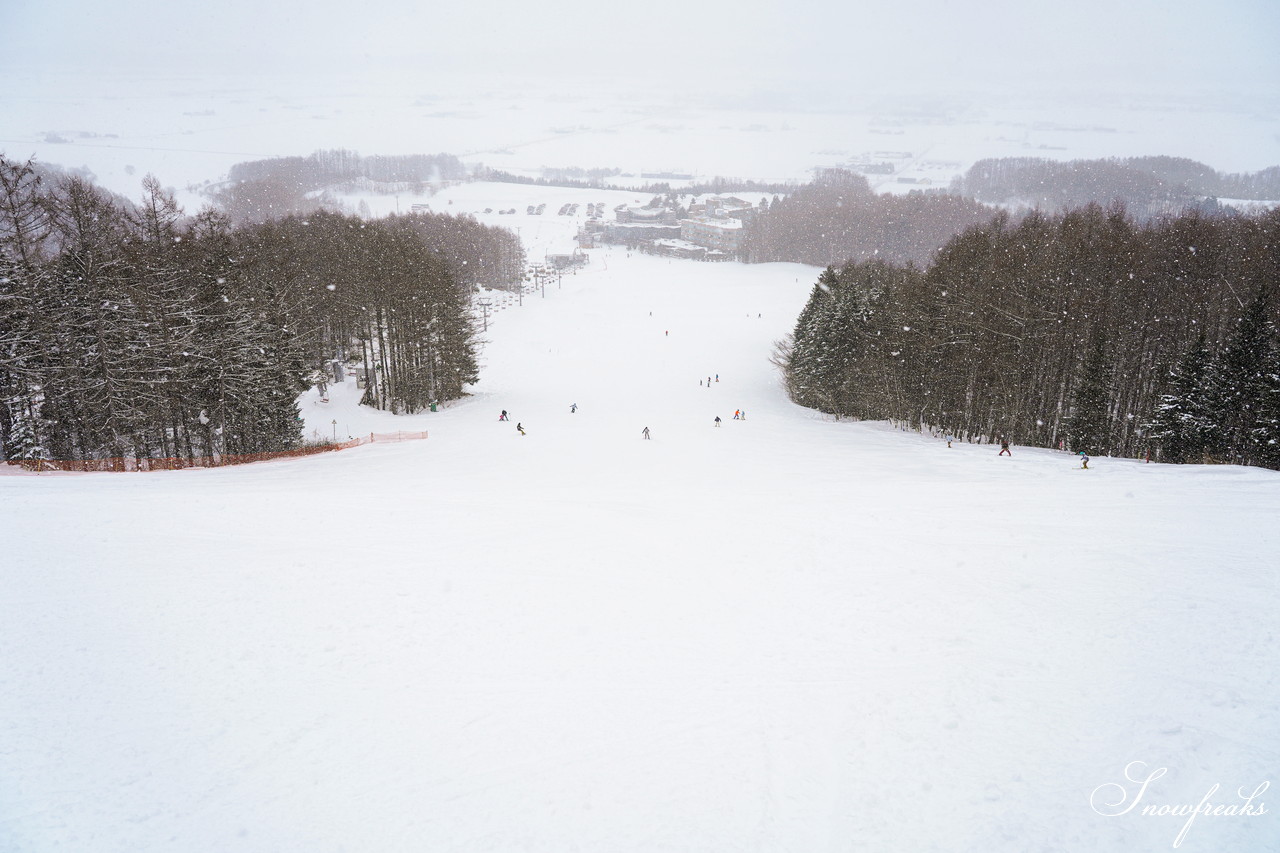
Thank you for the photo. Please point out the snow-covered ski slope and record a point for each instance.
(782, 634)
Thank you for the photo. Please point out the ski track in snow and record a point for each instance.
(787, 633)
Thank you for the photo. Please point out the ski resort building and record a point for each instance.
(645, 215)
(633, 234)
(723, 234)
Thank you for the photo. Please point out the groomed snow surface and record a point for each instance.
(782, 634)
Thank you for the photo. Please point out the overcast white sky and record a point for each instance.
(726, 45)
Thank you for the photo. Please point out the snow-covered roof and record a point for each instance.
(724, 223)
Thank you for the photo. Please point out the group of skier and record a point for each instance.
(738, 415)
(1005, 451)
(502, 416)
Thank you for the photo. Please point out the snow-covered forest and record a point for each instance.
(129, 330)
(1062, 331)
(838, 217)
(258, 190)
(1148, 186)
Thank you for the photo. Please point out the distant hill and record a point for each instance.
(1148, 186)
(257, 190)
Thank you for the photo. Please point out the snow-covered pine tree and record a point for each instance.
(1239, 383)
(226, 339)
(21, 426)
(1266, 433)
(1089, 425)
(163, 288)
(867, 330)
(1182, 426)
(24, 228)
(805, 367)
(843, 335)
(97, 389)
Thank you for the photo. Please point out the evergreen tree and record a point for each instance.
(1053, 327)
(1266, 433)
(1183, 427)
(805, 366)
(1240, 383)
(1089, 427)
(24, 339)
(129, 330)
(22, 427)
(98, 385)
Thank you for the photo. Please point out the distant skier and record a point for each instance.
(645, 433)
(520, 429)
(1084, 460)
(744, 414)
(573, 408)
(1004, 447)
(736, 412)
(950, 439)
(503, 416)
(717, 420)
(708, 381)
(717, 377)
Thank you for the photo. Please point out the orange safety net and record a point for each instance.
(395, 436)
(126, 463)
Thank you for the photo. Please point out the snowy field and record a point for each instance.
(782, 634)
(190, 130)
